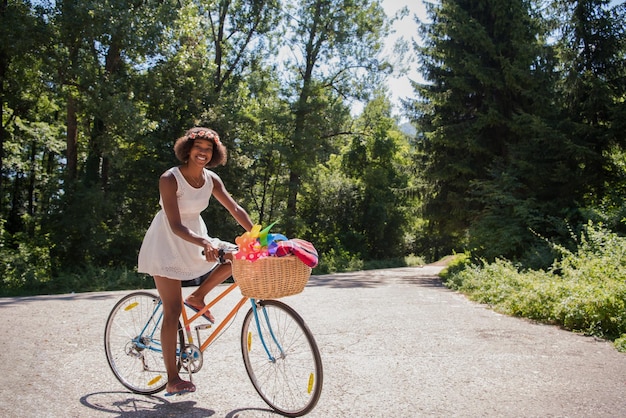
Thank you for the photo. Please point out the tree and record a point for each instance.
(592, 48)
(356, 204)
(97, 54)
(23, 33)
(376, 159)
(261, 147)
(94, 94)
(333, 46)
(482, 64)
(566, 161)
(212, 73)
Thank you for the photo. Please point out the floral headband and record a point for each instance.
(205, 135)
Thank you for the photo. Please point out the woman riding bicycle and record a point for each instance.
(177, 246)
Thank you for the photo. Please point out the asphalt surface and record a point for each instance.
(394, 343)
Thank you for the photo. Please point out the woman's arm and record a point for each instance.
(222, 196)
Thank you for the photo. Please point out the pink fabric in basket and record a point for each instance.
(302, 249)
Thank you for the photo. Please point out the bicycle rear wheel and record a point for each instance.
(132, 343)
(290, 380)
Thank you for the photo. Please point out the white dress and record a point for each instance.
(165, 254)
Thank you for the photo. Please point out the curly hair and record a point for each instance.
(183, 146)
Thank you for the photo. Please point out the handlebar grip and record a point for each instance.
(220, 256)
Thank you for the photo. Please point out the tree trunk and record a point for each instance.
(71, 154)
(4, 64)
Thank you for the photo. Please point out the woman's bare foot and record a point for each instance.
(197, 305)
(179, 387)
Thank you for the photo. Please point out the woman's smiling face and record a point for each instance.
(201, 152)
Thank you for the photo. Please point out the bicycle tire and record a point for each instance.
(292, 384)
(132, 343)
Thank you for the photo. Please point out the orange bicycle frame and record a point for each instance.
(187, 321)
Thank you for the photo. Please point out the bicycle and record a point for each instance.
(279, 352)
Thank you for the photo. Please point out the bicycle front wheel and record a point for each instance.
(132, 343)
(282, 358)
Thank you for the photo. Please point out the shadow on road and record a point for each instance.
(418, 276)
(426, 276)
(69, 297)
(127, 404)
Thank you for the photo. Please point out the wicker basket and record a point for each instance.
(271, 277)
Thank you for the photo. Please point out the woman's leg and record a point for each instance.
(217, 276)
(171, 296)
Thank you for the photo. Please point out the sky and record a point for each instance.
(407, 28)
(399, 85)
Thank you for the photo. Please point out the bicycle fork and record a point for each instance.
(270, 331)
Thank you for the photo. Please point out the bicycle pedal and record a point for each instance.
(199, 327)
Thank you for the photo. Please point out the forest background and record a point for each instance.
(514, 151)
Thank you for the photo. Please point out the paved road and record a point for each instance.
(394, 343)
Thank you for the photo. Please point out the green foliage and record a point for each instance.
(29, 269)
(354, 202)
(95, 93)
(335, 46)
(585, 291)
(331, 204)
(519, 131)
(458, 263)
(337, 260)
(25, 268)
(620, 344)
(93, 279)
(410, 260)
(593, 86)
(477, 61)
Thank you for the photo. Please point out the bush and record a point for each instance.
(335, 261)
(620, 343)
(458, 263)
(390, 263)
(25, 268)
(96, 279)
(585, 291)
